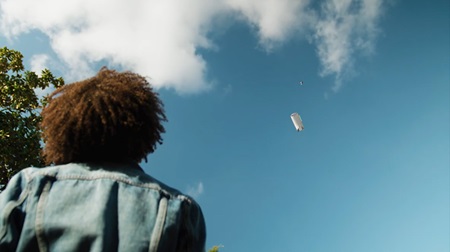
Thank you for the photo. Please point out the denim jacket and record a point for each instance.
(102, 207)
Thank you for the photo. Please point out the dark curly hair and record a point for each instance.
(111, 117)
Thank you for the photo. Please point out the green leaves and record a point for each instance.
(10, 60)
(20, 135)
(215, 248)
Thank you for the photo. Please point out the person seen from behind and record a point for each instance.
(93, 195)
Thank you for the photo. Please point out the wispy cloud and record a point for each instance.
(39, 62)
(274, 20)
(195, 191)
(344, 28)
(161, 38)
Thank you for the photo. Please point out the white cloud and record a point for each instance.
(157, 38)
(161, 38)
(39, 62)
(195, 191)
(343, 28)
(275, 20)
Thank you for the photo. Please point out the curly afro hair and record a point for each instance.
(111, 117)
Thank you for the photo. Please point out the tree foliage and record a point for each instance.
(20, 135)
(215, 248)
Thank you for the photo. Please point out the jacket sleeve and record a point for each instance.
(12, 214)
(193, 229)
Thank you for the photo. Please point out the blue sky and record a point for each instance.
(370, 172)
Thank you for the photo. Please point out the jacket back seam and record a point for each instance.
(159, 225)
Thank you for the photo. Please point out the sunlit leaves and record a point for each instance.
(20, 135)
(215, 248)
